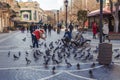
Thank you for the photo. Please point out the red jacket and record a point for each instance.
(37, 34)
(94, 28)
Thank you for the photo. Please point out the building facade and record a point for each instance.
(8, 14)
(31, 12)
(52, 16)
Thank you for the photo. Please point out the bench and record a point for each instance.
(114, 36)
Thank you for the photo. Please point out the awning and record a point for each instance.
(106, 10)
(97, 12)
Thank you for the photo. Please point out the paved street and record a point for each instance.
(17, 69)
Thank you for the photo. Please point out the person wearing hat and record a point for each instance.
(37, 34)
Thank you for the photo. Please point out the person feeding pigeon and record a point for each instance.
(38, 34)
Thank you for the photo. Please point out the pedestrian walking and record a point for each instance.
(105, 31)
(94, 29)
(71, 28)
(49, 29)
(58, 28)
(45, 27)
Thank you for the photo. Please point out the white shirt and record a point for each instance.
(105, 29)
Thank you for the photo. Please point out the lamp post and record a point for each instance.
(54, 19)
(101, 17)
(58, 16)
(66, 5)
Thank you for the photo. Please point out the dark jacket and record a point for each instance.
(67, 35)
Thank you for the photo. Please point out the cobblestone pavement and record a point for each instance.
(11, 69)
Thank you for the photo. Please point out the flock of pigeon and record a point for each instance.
(57, 53)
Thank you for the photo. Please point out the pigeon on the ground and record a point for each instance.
(78, 66)
(9, 54)
(24, 39)
(53, 70)
(27, 60)
(117, 56)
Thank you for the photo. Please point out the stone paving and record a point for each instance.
(11, 69)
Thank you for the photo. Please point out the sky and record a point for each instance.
(49, 4)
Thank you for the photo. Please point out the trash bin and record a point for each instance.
(105, 53)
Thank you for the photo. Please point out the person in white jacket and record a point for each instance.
(105, 31)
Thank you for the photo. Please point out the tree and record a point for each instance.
(82, 16)
(115, 13)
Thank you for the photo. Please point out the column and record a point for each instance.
(32, 15)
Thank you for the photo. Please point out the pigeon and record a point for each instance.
(93, 65)
(34, 55)
(96, 50)
(81, 55)
(53, 70)
(51, 44)
(19, 53)
(91, 73)
(68, 64)
(24, 39)
(68, 54)
(53, 56)
(116, 50)
(31, 46)
(75, 55)
(40, 52)
(56, 49)
(26, 53)
(117, 56)
(47, 52)
(89, 50)
(90, 57)
(59, 56)
(15, 57)
(41, 44)
(27, 60)
(45, 45)
(55, 61)
(87, 56)
(9, 54)
(78, 66)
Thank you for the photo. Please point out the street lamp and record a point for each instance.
(58, 16)
(101, 17)
(66, 5)
(54, 19)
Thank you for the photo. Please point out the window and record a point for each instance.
(25, 16)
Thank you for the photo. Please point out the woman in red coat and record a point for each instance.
(94, 30)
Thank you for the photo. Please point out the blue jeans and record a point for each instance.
(35, 41)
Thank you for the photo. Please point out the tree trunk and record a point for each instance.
(116, 17)
(116, 24)
(115, 14)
